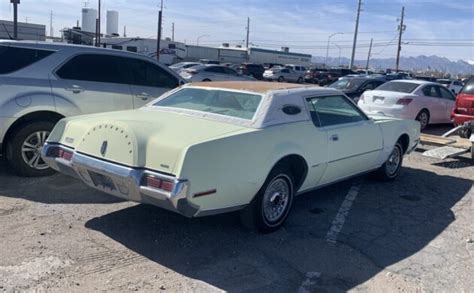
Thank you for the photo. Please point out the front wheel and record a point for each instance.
(281, 79)
(391, 168)
(300, 80)
(24, 149)
(271, 206)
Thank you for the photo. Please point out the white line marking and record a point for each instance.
(310, 281)
(344, 209)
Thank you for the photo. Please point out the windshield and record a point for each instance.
(347, 84)
(397, 86)
(228, 103)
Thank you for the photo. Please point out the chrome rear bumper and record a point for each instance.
(127, 181)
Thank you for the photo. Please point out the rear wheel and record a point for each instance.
(281, 79)
(300, 80)
(24, 149)
(391, 168)
(206, 79)
(270, 208)
(424, 118)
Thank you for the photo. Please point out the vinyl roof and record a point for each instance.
(252, 86)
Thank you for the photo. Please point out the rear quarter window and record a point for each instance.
(14, 58)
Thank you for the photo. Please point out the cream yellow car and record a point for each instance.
(208, 148)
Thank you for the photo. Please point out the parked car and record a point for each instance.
(44, 82)
(271, 65)
(209, 72)
(210, 148)
(208, 61)
(282, 74)
(183, 65)
(353, 87)
(464, 108)
(252, 69)
(425, 101)
(316, 75)
(453, 85)
(300, 70)
(335, 73)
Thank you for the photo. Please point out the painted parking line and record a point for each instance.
(343, 211)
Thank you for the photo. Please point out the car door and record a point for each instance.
(148, 80)
(434, 103)
(92, 83)
(354, 141)
(449, 101)
(232, 74)
(215, 73)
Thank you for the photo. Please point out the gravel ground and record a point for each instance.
(412, 235)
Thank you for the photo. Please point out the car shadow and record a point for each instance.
(389, 222)
(55, 189)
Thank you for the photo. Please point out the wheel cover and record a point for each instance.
(423, 119)
(393, 163)
(31, 149)
(276, 200)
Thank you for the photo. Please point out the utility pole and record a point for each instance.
(158, 37)
(97, 27)
(172, 31)
(15, 18)
(248, 33)
(401, 29)
(51, 31)
(368, 56)
(355, 35)
(124, 31)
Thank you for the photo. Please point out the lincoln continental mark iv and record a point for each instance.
(208, 148)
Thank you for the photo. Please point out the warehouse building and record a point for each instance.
(172, 52)
(26, 31)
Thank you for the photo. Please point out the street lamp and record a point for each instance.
(339, 47)
(201, 36)
(329, 40)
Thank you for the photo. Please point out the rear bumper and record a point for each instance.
(127, 181)
(460, 119)
(397, 112)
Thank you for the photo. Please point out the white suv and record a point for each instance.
(41, 83)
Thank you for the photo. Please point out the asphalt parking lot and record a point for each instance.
(415, 234)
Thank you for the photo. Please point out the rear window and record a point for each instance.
(468, 89)
(395, 86)
(228, 103)
(14, 58)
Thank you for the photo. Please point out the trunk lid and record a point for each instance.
(384, 98)
(146, 138)
(465, 104)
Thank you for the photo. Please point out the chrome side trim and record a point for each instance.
(366, 153)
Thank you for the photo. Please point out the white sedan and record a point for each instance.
(211, 72)
(427, 102)
(282, 74)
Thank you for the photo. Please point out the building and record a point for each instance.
(172, 52)
(26, 31)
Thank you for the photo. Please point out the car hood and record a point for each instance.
(147, 138)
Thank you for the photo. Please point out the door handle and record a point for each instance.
(143, 96)
(75, 89)
(334, 137)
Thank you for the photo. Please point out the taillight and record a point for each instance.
(66, 155)
(58, 152)
(157, 183)
(404, 101)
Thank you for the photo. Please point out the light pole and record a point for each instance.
(201, 36)
(339, 47)
(327, 49)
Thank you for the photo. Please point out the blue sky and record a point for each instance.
(434, 27)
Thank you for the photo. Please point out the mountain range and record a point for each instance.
(419, 63)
